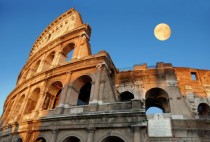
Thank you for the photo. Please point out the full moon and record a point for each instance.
(162, 32)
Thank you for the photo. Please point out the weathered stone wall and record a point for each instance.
(85, 98)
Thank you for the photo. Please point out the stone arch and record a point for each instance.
(112, 138)
(157, 97)
(18, 105)
(126, 96)
(48, 60)
(81, 90)
(20, 102)
(130, 87)
(25, 75)
(68, 51)
(34, 69)
(203, 110)
(53, 95)
(8, 107)
(32, 100)
(71, 138)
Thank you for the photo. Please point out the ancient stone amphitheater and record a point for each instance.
(66, 94)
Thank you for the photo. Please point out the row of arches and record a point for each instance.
(157, 101)
(154, 98)
(82, 85)
(52, 59)
(49, 98)
(76, 139)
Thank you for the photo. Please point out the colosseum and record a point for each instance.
(64, 93)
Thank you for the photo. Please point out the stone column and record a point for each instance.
(72, 96)
(100, 100)
(58, 58)
(97, 83)
(54, 135)
(39, 101)
(92, 91)
(90, 137)
(41, 98)
(41, 66)
(65, 90)
(136, 134)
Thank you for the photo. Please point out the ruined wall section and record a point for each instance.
(150, 84)
(193, 81)
(194, 85)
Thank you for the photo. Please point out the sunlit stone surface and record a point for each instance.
(85, 98)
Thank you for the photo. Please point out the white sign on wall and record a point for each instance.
(159, 126)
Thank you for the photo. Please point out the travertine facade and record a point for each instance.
(85, 98)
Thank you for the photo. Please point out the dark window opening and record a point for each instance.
(71, 139)
(112, 139)
(126, 96)
(84, 95)
(203, 110)
(193, 76)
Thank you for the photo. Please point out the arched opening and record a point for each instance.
(72, 139)
(80, 95)
(157, 99)
(8, 109)
(126, 96)
(203, 110)
(53, 95)
(18, 106)
(112, 139)
(36, 67)
(68, 51)
(49, 60)
(32, 101)
(84, 95)
(41, 139)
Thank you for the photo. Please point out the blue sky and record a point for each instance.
(121, 27)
